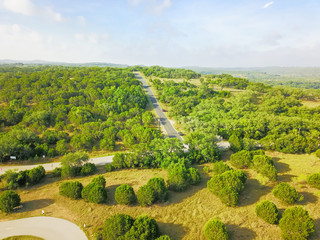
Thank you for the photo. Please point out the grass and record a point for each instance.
(23, 238)
(311, 104)
(185, 214)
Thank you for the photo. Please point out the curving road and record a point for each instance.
(48, 228)
(166, 124)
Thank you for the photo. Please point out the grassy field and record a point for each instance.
(185, 214)
(23, 238)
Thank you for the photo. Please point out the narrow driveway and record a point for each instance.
(170, 130)
(48, 228)
(51, 166)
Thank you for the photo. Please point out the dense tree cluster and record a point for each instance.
(24, 177)
(122, 226)
(163, 72)
(85, 108)
(228, 186)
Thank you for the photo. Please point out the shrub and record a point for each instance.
(314, 180)
(12, 178)
(99, 180)
(164, 237)
(268, 211)
(286, 193)
(257, 152)
(143, 227)
(88, 169)
(220, 167)
(229, 196)
(261, 160)
(206, 169)
(236, 143)
(269, 171)
(296, 224)
(241, 159)
(215, 229)
(318, 153)
(94, 193)
(146, 195)
(70, 171)
(57, 172)
(125, 194)
(159, 187)
(71, 189)
(194, 176)
(9, 200)
(109, 167)
(35, 175)
(178, 177)
(117, 226)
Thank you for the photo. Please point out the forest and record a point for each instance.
(53, 110)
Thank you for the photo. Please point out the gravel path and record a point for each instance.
(48, 228)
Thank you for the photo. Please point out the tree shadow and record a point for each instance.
(35, 204)
(238, 233)
(174, 231)
(252, 192)
(111, 194)
(177, 197)
(308, 198)
(316, 234)
(285, 178)
(280, 166)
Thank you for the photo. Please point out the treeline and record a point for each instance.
(162, 72)
(52, 110)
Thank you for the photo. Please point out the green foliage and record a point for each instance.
(99, 180)
(125, 194)
(71, 189)
(264, 165)
(143, 228)
(236, 143)
(220, 167)
(56, 172)
(35, 175)
(286, 193)
(215, 229)
(314, 180)
(109, 167)
(227, 186)
(194, 176)
(9, 200)
(268, 211)
(146, 195)
(178, 177)
(88, 169)
(241, 159)
(163, 237)
(117, 226)
(159, 187)
(72, 162)
(296, 224)
(94, 193)
(318, 153)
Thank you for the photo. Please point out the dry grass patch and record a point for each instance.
(311, 104)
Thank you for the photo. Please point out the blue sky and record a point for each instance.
(208, 33)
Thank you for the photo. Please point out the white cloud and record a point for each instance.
(81, 20)
(153, 6)
(92, 38)
(28, 8)
(268, 4)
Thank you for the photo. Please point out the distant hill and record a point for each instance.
(41, 62)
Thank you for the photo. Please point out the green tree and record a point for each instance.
(286, 193)
(125, 194)
(9, 200)
(215, 229)
(159, 187)
(117, 226)
(71, 189)
(194, 176)
(146, 195)
(314, 180)
(143, 228)
(220, 167)
(241, 159)
(296, 224)
(268, 211)
(94, 193)
(72, 162)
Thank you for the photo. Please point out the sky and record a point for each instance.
(171, 33)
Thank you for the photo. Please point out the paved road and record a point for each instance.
(166, 124)
(51, 166)
(48, 228)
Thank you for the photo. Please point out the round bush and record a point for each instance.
(117, 226)
(215, 229)
(71, 189)
(241, 159)
(99, 180)
(229, 196)
(146, 195)
(164, 237)
(194, 176)
(220, 167)
(35, 175)
(109, 167)
(286, 193)
(268, 211)
(125, 194)
(9, 200)
(314, 180)
(296, 224)
(56, 172)
(159, 187)
(88, 169)
(94, 193)
(318, 153)
(143, 227)
(178, 177)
